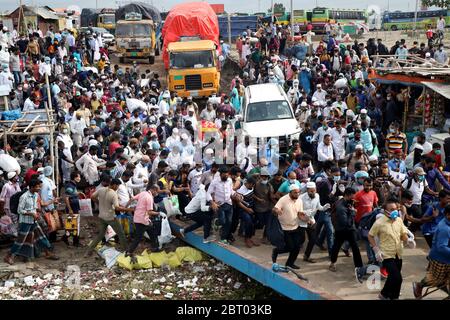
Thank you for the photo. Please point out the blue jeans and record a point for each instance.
(225, 214)
(248, 221)
(323, 219)
(17, 77)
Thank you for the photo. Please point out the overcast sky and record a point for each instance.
(249, 6)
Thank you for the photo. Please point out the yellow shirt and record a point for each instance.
(290, 208)
(390, 233)
(95, 104)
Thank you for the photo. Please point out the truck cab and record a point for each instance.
(136, 38)
(107, 21)
(193, 68)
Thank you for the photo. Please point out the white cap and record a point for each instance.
(427, 55)
(310, 185)
(11, 175)
(319, 86)
(359, 146)
(209, 151)
(27, 151)
(294, 187)
(363, 111)
(373, 158)
(175, 131)
(184, 136)
(303, 104)
(350, 113)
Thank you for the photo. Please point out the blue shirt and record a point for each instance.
(394, 165)
(440, 249)
(431, 226)
(47, 192)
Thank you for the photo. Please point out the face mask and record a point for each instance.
(264, 181)
(438, 152)
(378, 95)
(421, 178)
(65, 131)
(408, 205)
(391, 130)
(394, 215)
(292, 181)
(325, 127)
(336, 178)
(199, 169)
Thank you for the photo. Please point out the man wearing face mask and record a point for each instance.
(432, 176)
(311, 205)
(328, 190)
(26, 161)
(141, 173)
(418, 185)
(346, 231)
(396, 140)
(264, 195)
(391, 232)
(441, 55)
(322, 131)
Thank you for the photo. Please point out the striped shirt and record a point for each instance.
(28, 202)
(395, 141)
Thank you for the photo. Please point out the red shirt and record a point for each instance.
(364, 203)
(113, 146)
(29, 174)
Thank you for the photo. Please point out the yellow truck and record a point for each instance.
(193, 69)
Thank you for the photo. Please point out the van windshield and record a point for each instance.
(268, 110)
(191, 59)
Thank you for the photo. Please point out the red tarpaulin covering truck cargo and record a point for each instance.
(195, 19)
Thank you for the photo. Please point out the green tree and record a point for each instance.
(277, 8)
(437, 3)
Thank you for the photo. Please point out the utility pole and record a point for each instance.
(292, 18)
(273, 13)
(415, 17)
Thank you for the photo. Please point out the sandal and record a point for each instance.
(332, 267)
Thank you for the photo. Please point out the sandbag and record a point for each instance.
(159, 258)
(124, 262)
(9, 164)
(188, 254)
(110, 255)
(173, 260)
(143, 262)
(133, 104)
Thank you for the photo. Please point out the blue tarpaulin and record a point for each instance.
(238, 25)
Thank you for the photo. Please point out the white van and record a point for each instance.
(267, 113)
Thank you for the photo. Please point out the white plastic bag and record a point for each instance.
(172, 206)
(110, 233)
(166, 233)
(85, 208)
(133, 104)
(9, 164)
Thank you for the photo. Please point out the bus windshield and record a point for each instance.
(192, 59)
(133, 30)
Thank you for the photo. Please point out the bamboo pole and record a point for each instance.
(31, 123)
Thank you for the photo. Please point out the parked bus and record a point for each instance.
(320, 16)
(399, 20)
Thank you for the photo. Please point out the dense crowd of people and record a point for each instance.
(349, 178)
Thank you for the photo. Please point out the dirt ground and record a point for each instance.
(50, 280)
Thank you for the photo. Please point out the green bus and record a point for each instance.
(399, 20)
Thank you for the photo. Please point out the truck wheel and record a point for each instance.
(122, 60)
(394, 28)
(151, 60)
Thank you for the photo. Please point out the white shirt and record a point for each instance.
(241, 152)
(417, 190)
(310, 207)
(28, 105)
(324, 152)
(124, 194)
(342, 105)
(338, 139)
(87, 165)
(140, 174)
(243, 163)
(77, 126)
(441, 25)
(427, 147)
(320, 134)
(320, 95)
(198, 202)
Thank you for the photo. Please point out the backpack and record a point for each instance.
(14, 201)
(410, 180)
(367, 221)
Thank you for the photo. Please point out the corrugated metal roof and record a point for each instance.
(441, 88)
(44, 13)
